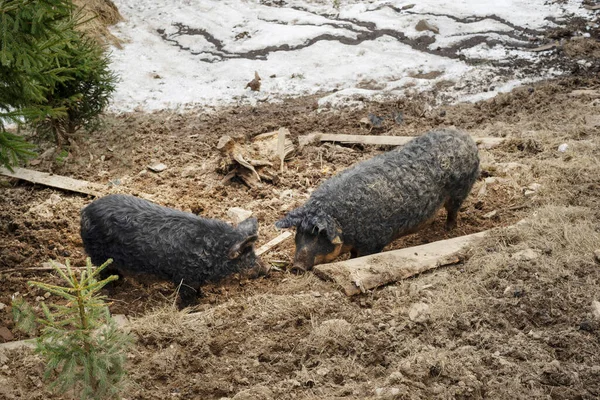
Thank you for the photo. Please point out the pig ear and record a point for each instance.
(238, 247)
(293, 218)
(248, 227)
(328, 225)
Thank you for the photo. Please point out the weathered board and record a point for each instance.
(57, 181)
(486, 142)
(357, 275)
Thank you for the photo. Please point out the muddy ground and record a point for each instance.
(514, 321)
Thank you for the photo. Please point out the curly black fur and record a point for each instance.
(144, 238)
(392, 194)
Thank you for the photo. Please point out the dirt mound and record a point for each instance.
(98, 16)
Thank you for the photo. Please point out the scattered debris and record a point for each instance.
(254, 84)
(426, 75)
(157, 167)
(251, 162)
(546, 47)
(423, 25)
(237, 214)
(419, 312)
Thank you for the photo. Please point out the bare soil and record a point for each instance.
(513, 321)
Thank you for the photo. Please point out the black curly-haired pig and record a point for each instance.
(367, 206)
(148, 239)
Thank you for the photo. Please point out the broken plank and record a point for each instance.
(358, 275)
(271, 244)
(56, 181)
(487, 142)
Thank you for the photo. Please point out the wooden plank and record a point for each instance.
(56, 181)
(273, 243)
(358, 275)
(486, 142)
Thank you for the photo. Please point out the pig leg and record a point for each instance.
(452, 206)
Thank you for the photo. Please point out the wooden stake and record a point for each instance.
(271, 244)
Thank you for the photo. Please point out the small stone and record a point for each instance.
(395, 378)
(526, 255)
(534, 186)
(563, 147)
(407, 7)
(2, 306)
(322, 371)
(490, 215)
(47, 295)
(508, 291)
(237, 214)
(419, 312)
(158, 167)
(596, 308)
(39, 298)
(364, 122)
(597, 255)
(529, 193)
(6, 334)
(120, 319)
(423, 25)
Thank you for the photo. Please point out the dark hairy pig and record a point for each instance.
(367, 206)
(148, 239)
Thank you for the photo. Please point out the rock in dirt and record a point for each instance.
(423, 25)
(255, 393)
(2, 306)
(387, 392)
(596, 308)
(526, 255)
(563, 147)
(491, 214)
(419, 312)
(157, 167)
(597, 255)
(237, 214)
(6, 335)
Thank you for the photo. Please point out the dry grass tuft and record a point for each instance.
(99, 15)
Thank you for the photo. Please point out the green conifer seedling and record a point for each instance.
(83, 348)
